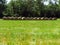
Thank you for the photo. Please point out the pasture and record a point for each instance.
(29, 32)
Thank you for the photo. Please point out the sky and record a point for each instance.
(44, 2)
(8, 1)
(47, 2)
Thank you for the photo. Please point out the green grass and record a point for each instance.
(29, 32)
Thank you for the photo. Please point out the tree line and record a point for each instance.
(30, 8)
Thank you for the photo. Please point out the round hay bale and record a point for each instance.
(27, 18)
(34, 18)
(9, 18)
(19, 18)
(16, 18)
(54, 18)
(23, 18)
(46, 18)
(38, 18)
(50, 18)
(42, 18)
(5, 18)
(31, 18)
(13, 18)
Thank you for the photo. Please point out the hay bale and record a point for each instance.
(9, 18)
(42, 18)
(50, 18)
(16, 18)
(19, 18)
(31, 18)
(13, 18)
(38, 18)
(5, 18)
(54, 18)
(34, 18)
(23, 18)
(46, 18)
(27, 18)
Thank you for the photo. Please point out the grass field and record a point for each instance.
(29, 32)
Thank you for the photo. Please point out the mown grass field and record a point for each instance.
(29, 32)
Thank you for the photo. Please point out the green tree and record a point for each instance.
(2, 7)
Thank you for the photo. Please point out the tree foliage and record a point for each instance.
(33, 8)
(2, 7)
